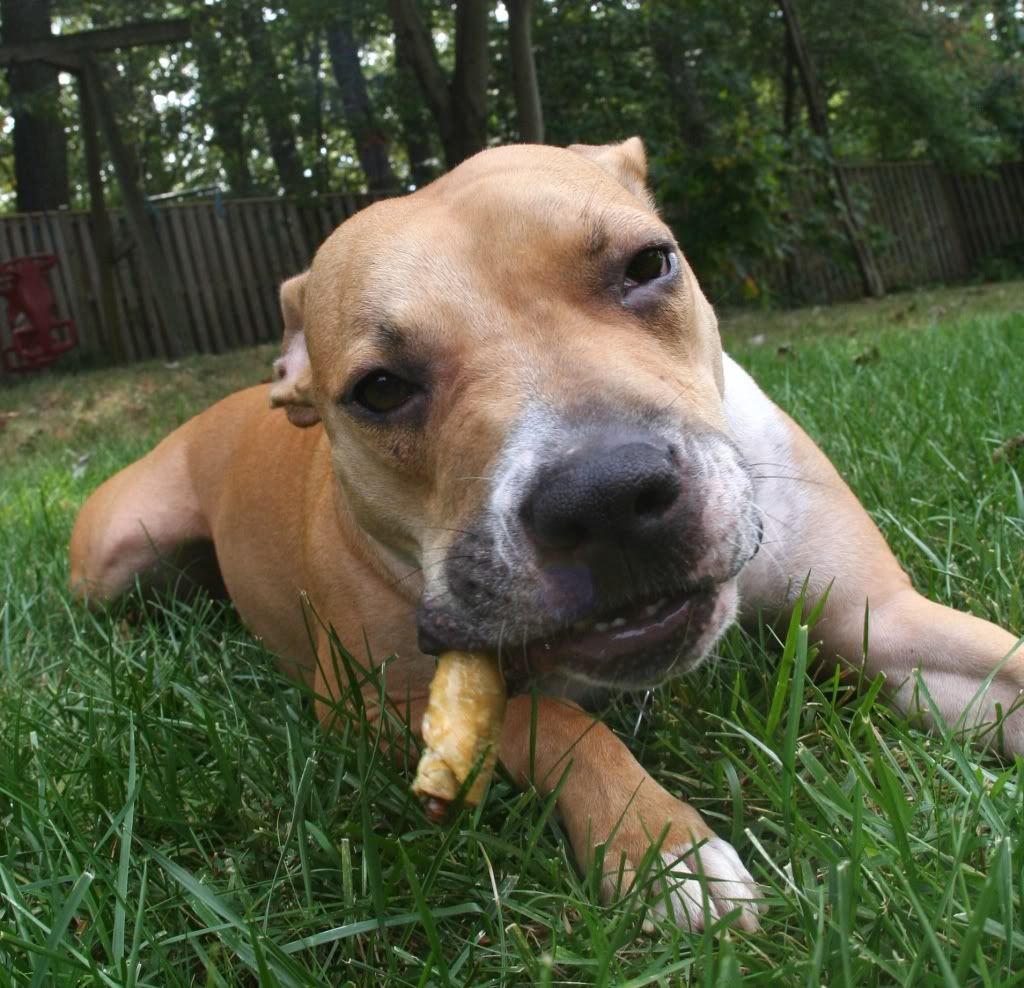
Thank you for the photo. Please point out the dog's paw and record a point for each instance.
(700, 884)
(694, 878)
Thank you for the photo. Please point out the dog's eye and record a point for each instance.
(649, 264)
(381, 392)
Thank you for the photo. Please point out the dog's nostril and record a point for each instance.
(656, 498)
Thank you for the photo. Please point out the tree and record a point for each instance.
(818, 114)
(459, 106)
(524, 71)
(370, 138)
(669, 35)
(225, 99)
(308, 97)
(414, 118)
(273, 104)
(40, 146)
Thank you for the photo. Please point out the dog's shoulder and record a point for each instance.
(755, 421)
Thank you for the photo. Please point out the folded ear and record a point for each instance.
(625, 162)
(293, 379)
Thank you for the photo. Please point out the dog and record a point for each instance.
(506, 424)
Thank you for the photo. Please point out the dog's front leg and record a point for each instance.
(609, 802)
(817, 535)
(973, 671)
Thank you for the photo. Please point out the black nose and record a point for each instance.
(613, 493)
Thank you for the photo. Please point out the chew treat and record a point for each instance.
(462, 725)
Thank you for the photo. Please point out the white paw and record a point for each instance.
(715, 866)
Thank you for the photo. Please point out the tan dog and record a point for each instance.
(531, 444)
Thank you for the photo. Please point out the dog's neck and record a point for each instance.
(403, 575)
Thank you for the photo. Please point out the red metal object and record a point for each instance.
(37, 337)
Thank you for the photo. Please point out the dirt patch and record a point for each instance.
(69, 410)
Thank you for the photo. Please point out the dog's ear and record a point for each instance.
(293, 378)
(625, 162)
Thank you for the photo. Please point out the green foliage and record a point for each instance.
(741, 179)
(902, 82)
(729, 210)
(708, 85)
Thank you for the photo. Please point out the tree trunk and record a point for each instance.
(459, 108)
(789, 86)
(227, 118)
(413, 37)
(469, 81)
(315, 116)
(818, 115)
(155, 268)
(272, 104)
(371, 140)
(670, 56)
(524, 71)
(40, 145)
(109, 329)
(225, 100)
(788, 91)
(415, 120)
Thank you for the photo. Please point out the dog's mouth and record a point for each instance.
(635, 644)
(625, 630)
(630, 644)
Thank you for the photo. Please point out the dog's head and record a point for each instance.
(522, 386)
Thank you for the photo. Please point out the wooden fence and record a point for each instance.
(927, 226)
(226, 258)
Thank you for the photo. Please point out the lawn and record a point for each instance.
(172, 815)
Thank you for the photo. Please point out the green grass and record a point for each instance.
(170, 813)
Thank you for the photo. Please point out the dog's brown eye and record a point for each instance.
(654, 262)
(381, 392)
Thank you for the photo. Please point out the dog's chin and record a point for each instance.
(633, 648)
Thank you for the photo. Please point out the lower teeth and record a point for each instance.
(602, 627)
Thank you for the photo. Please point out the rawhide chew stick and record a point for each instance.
(462, 725)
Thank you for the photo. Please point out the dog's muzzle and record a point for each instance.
(611, 559)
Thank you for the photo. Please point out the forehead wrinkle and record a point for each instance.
(409, 349)
(606, 224)
(386, 340)
(588, 215)
(387, 337)
(618, 223)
